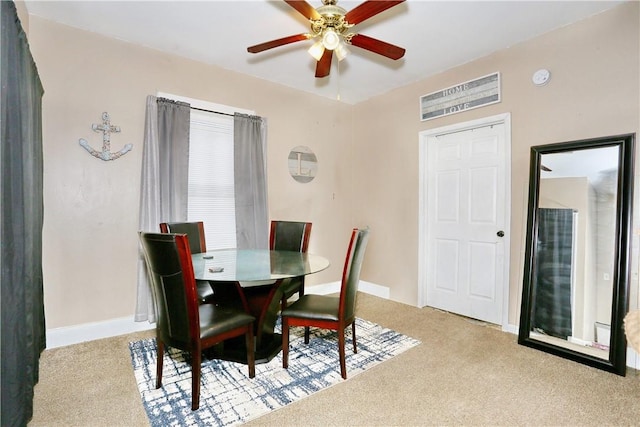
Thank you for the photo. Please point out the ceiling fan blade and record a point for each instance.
(324, 65)
(368, 9)
(304, 8)
(377, 46)
(275, 43)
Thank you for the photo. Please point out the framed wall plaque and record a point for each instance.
(461, 97)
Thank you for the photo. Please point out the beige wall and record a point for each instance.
(593, 91)
(91, 206)
(23, 15)
(368, 153)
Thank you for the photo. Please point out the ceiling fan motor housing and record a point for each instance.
(331, 16)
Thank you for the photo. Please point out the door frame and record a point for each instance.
(424, 137)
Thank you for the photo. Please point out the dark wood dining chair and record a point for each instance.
(290, 236)
(327, 312)
(197, 244)
(181, 321)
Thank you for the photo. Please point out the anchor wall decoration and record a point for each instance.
(106, 128)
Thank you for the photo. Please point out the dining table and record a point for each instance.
(250, 279)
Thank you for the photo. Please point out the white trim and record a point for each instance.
(510, 328)
(334, 287)
(373, 289)
(60, 337)
(578, 341)
(423, 136)
(323, 289)
(633, 358)
(205, 105)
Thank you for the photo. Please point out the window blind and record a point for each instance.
(211, 197)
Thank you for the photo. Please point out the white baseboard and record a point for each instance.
(579, 341)
(633, 359)
(60, 337)
(334, 287)
(512, 329)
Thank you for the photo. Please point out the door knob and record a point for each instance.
(500, 233)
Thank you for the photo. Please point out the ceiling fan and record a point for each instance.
(330, 25)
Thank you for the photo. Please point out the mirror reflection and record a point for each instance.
(574, 249)
(576, 274)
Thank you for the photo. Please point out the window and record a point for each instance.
(211, 193)
(211, 184)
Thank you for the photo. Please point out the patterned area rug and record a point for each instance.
(229, 397)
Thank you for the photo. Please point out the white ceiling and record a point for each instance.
(437, 35)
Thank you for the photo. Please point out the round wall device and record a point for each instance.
(541, 77)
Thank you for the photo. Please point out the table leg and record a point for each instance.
(262, 302)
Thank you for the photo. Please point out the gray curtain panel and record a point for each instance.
(164, 181)
(250, 180)
(21, 219)
(165, 175)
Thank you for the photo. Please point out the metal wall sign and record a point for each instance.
(461, 97)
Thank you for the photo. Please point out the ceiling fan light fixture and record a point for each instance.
(341, 51)
(330, 39)
(330, 25)
(316, 50)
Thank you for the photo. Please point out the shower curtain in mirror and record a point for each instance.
(551, 308)
(21, 219)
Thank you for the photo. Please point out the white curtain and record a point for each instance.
(164, 181)
(250, 180)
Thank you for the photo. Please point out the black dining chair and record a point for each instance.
(182, 322)
(290, 236)
(328, 312)
(197, 244)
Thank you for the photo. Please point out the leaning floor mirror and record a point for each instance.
(577, 268)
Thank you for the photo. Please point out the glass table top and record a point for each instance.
(255, 265)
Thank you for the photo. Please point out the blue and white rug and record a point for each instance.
(229, 397)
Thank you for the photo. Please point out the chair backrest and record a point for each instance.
(170, 269)
(289, 236)
(351, 273)
(193, 230)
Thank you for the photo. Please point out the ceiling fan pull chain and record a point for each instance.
(338, 97)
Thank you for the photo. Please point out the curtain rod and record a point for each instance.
(211, 111)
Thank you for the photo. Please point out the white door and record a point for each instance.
(466, 222)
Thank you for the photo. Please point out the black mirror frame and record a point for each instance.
(621, 274)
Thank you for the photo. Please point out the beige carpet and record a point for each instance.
(464, 373)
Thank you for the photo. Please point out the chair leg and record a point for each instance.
(353, 334)
(196, 364)
(251, 354)
(159, 362)
(343, 364)
(306, 335)
(285, 343)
